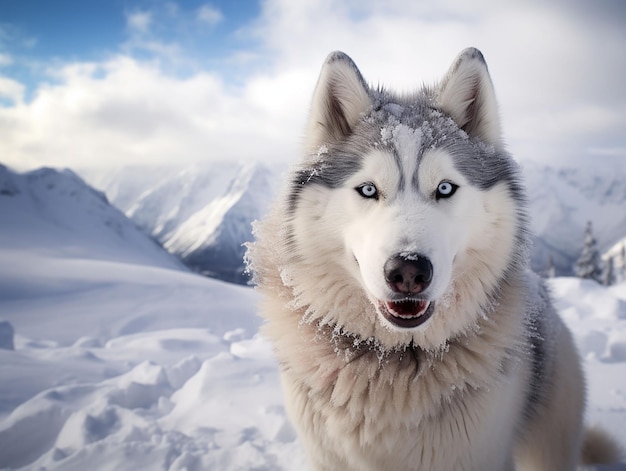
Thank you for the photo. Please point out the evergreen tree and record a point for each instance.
(589, 264)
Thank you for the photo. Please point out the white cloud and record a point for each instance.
(209, 15)
(12, 90)
(549, 62)
(139, 21)
(125, 111)
(557, 73)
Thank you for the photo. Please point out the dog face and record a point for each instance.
(405, 237)
(411, 199)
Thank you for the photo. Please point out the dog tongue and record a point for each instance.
(408, 308)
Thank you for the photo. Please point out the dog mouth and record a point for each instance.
(406, 313)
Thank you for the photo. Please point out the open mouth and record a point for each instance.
(407, 313)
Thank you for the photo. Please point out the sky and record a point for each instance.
(117, 82)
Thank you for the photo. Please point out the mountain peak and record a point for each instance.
(57, 212)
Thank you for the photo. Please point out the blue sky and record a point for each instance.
(121, 82)
(36, 33)
(78, 29)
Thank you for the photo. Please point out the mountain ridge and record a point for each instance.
(46, 208)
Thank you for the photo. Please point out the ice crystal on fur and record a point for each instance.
(313, 172)
(407, 141)
(386, 134)
(322, 150)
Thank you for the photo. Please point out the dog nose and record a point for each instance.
(408, 273)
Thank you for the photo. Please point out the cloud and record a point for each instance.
(557, 72)
(547, 60)
(125, 111)
(11, 90)
(209, 15)
(139, 22)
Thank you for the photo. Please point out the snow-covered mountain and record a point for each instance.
(562, 201)
(201, 213)
(211, 240)
(50, 210)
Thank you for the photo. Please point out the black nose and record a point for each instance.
(408, 273)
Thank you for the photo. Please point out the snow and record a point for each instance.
(123, 359)
(55, 212)
(168, 370)
(618, 254)
(202, 214)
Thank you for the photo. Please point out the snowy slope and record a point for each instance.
(144, 368)
(162, 209)
(200, 213)
(211, 241)
(56, 212)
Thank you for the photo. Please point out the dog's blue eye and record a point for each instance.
(445, 190)
(367, 190)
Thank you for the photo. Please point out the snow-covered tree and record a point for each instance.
(622, 270)
(589, 264)
(609, 272)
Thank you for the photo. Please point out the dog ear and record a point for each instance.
(340, 97)
(467, 94)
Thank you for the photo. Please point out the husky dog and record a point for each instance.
(410, 333)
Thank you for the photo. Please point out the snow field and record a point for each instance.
(205, 395)
(159, 397)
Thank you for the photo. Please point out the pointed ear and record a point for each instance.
(340, 97)
(467, 94)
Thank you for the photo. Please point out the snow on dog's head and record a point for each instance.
(405, 215)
